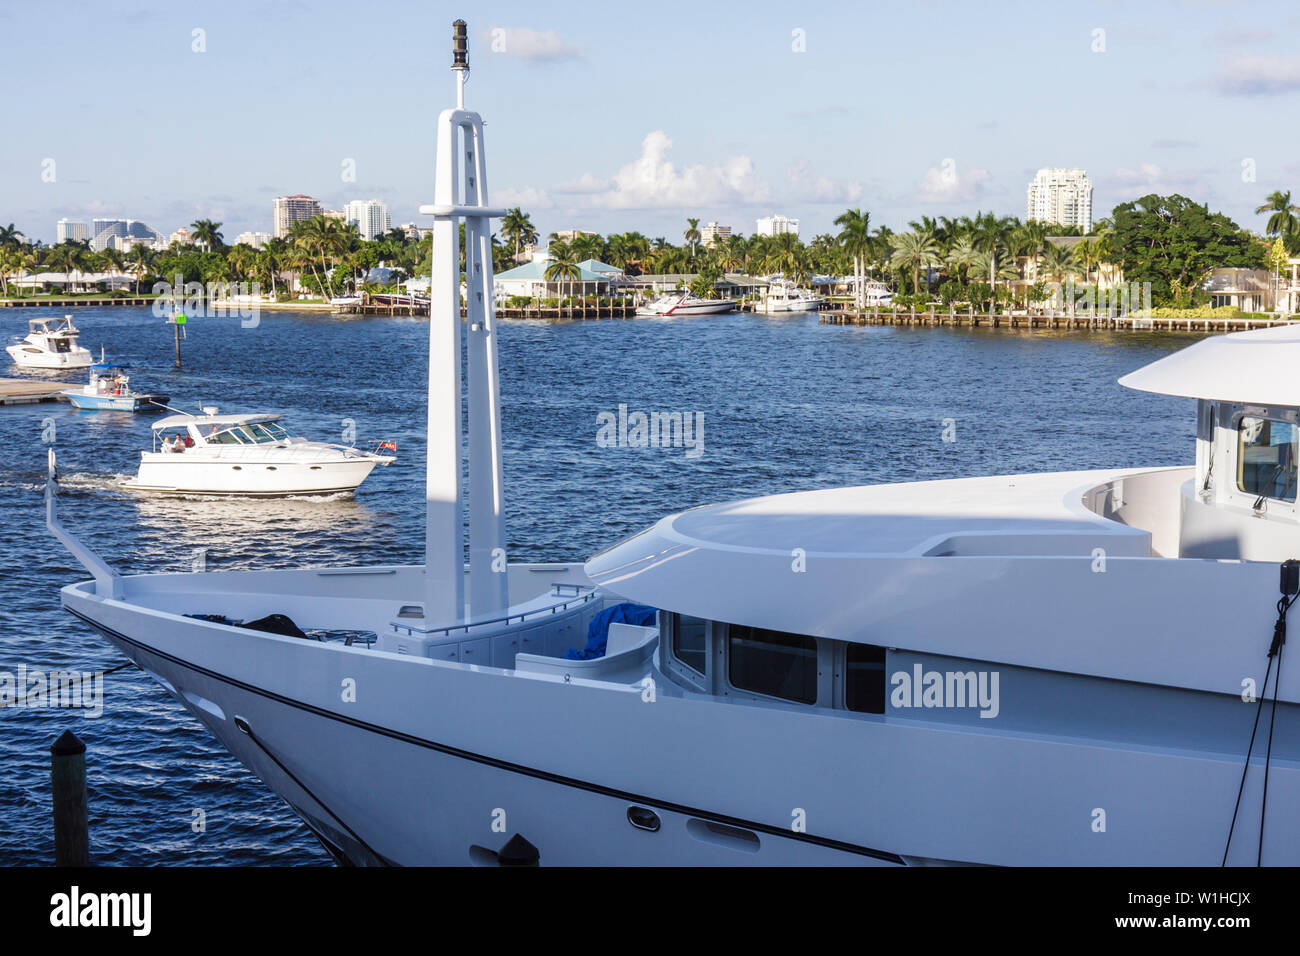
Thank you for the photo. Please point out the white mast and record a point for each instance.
(460, 191)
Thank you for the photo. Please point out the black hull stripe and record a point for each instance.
(499, 764)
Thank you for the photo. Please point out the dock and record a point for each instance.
(1061, 321)
(19, 391)
(76, 303)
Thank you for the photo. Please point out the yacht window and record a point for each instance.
(260, 433)
(690, 643)
(864, 678)
(773, 663)
(1267, 458)
(226, 437)
(277, 432)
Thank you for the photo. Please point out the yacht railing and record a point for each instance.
(581, 594)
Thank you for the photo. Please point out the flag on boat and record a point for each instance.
(388, 446)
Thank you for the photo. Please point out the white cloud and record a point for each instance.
(1251, 75)
(1125, 183)
(807, 186)
(652, 180)
(946, 183)
(528, 44)
(526, 198)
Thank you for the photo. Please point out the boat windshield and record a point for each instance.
(257, 433)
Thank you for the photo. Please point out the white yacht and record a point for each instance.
(1049, 669)
(247, 455)
(686, 303)
(50, 343)
(787, 297)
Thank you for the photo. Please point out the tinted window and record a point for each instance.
(864, 679)
(1268, 458)
(773, 663)
(689, 644)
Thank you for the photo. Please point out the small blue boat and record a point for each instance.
(109, 389)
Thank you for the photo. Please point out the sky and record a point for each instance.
(616, 117)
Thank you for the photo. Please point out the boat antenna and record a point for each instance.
(460, 59)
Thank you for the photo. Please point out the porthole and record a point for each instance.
(643, 819)
(237, 467)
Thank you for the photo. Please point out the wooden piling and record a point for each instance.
(68, 783)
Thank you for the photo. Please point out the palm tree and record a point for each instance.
(692, 234)
(1058, 261)
(140, 259)
(64, 258)
(855, 237)
(518, 228)
(914, 250)
(207, 234)
(9, 235)
(1283, 221)
(563, 268)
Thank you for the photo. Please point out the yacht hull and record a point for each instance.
(28, 356)
(191, 472)
(438, 762)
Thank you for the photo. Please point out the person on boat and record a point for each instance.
(189, 442)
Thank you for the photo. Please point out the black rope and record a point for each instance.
(1275, 650)
(38, 693)
(1279, 641)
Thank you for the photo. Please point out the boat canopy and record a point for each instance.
(106, 367)
(177, 421)
(1257, 367)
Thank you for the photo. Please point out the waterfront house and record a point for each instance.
(594, 278)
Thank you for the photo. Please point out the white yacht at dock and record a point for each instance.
(253, 455)
(50, 343)
(1050, 669)
(686, 303)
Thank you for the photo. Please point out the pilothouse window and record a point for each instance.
(1267, 458)
(773, 663)
(864, 678)
(690, 642)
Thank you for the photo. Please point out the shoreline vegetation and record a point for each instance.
(986, 262)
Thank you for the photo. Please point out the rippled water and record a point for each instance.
(788, 404)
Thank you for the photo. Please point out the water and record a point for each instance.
(788, 404)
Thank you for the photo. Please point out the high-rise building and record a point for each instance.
(777, 226)
(1062, 197)
(70, 230)
(290, 209)
(255, 239)
(370, 216)
(713, 233)
(119, 233)
(183, 236)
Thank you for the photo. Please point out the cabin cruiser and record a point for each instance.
(50, 343)
(1047, 669)
(787, 297)
(686, 303)
(214, 454)
(109, 389)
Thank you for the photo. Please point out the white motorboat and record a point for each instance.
(50, 343)
(1051, 669)
(787, 297)
(252, 455)
(686, 303)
